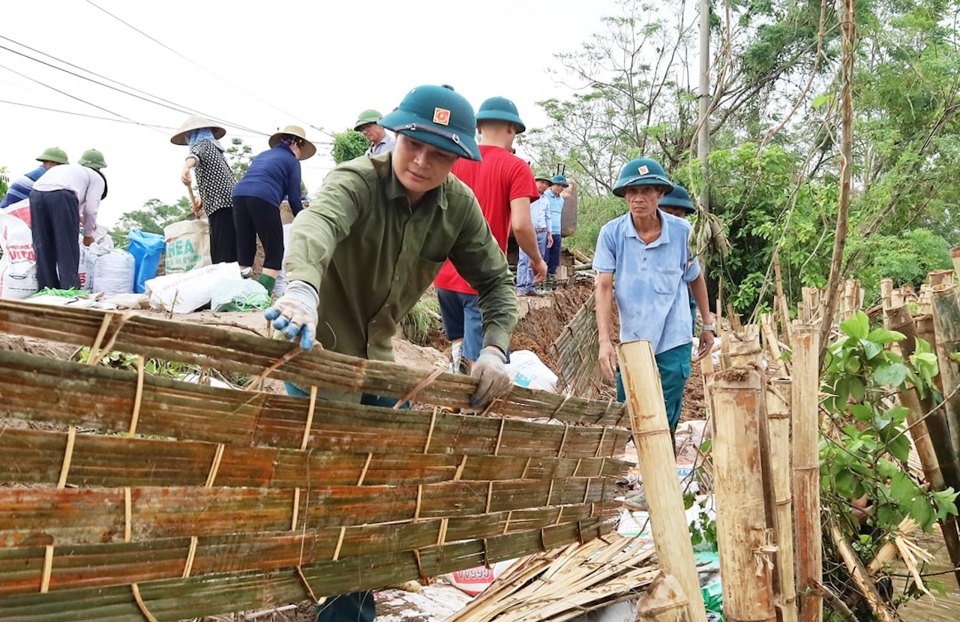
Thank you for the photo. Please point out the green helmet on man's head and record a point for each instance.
(92, 158)
(53, 154)
(500, 109)
(678, 197)
(438, 116)
(642, 172)
(366, 117)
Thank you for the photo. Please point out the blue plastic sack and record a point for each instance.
(147, 249)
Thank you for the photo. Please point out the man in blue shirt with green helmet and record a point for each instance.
(648, 251)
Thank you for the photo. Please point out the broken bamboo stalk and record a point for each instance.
(781, 301)
(946, 319)
(663, 601)
(955, 256)
(651, 435)
(772, 342)
(886, 294)
(778, 396)
(806, 468)
(940, 278)
(859, 575)
(743, 346)
(742, 535)
(811, 305)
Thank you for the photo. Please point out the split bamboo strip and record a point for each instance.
(100, 398)
(738, 485)
(769, 333)
(177, 599)
(120, 563)
(778, 395)
(805, 402)
(95, 515)
(859, 575)
(651, 435)
(565, 584)
(33, 457)
(811, 306)
(217, 348)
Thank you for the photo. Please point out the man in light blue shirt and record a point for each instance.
(540, 215)
(648, 251)
(553, 198)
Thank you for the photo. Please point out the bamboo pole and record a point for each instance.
(781, 299)
(955, 256)
(742, 536)
(663, 601)
(940, 277)
(772, 342)
(778, 396)
(651, 435)
(811, 305)
(743, 347)
(946, 319)
(859, 575)
(806, 468)
(886, 294)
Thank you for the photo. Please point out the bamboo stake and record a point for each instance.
(651, 435)
(806, 468)
(886, 293)
(741, 524)
(940, 277)
(743, 347)
(772, 342)
(946, 318)
(663, 601)
(778, 396)
(781, 298)
(955, 256)
(859, 575)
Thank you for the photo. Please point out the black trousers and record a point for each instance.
(55, 223)
(254, 218)
(223, 236)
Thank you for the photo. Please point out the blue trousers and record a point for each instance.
(355, 606)
(553, 254)
(524, 268)
(674, 366)
(55, 224)
(462, 320)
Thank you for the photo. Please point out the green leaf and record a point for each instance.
(862, 412)
(892, 375)
(899, 447)
(884, 336)
(857, 390)
(902, 488)
(870, 349)
(897, 414)
(857, 326)
(845, 483)
(851, 365)
(921, 512)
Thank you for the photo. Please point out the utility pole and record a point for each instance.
(703, 140)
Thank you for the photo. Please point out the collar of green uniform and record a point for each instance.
(395, 190)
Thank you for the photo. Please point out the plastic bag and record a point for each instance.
(184, 292)
(146, 248)
(242, 295)
(18, 266)
(113, 272)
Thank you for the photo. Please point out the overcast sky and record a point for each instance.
(257, 66)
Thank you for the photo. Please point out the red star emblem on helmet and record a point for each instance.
(644, 170)
(441, 116)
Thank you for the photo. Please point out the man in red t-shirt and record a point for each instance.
(504, 186)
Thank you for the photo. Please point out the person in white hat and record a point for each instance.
(273, 175)
(215, 183)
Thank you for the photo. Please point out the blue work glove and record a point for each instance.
(295, 313)
(490, 369)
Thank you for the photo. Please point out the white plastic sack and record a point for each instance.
(18, 266)
(113, 272)
(527, 370)
(185, 292)
(188, 245)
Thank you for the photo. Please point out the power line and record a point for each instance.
(81, 114)
(160, 101)
(193, 62)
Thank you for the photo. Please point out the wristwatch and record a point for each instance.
(709, 327)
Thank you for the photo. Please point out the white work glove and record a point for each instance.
(490, 369)
(295, 313)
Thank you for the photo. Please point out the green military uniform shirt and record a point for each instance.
(371, 255)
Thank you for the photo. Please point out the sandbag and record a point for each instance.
(146, 248)
(18, 266)
(527, 370)
(113, 272)
(188, 245)
(184, 292)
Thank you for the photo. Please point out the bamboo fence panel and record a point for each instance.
(577, 351)
(218, 348)
(742, 535)
(565, 584)
(165, 500)
(805, 426)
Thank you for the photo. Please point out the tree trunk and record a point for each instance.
(806, 469)
(741, 523)
(651, 435)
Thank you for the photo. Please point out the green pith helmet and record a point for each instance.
(500, 109)
(642, 172)
(678, 197)
(545, 178)
(92, 158)
(438, 116)
(53, 154)
(559, 180)
(367, 116)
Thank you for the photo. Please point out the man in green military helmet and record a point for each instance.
(372, 241)
(368, 124)
(21, 187)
